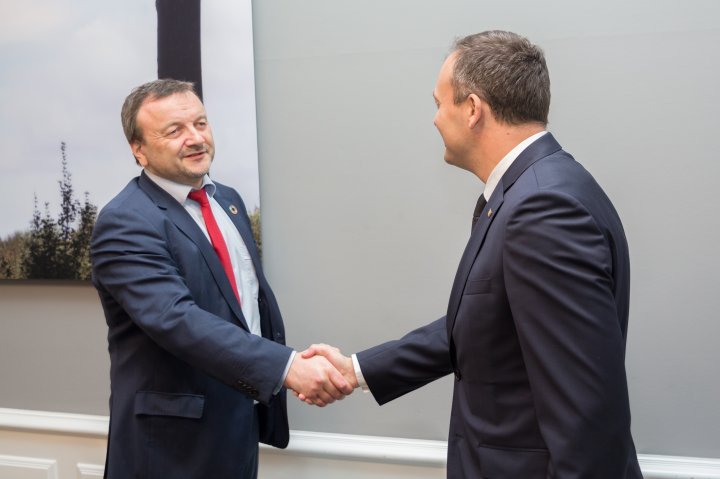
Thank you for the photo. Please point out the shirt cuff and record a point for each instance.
(359, 375)
(285, 373)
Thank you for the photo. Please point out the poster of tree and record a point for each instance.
(67, 67)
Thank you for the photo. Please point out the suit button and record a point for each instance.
(458, 376)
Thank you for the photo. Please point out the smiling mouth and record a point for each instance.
(196, 155)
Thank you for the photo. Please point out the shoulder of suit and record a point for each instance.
(227, 192)
(129, 198)
(128, 193)
(560, 170)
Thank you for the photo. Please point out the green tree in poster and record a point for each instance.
(12, 251)
(59, 249)
(255, 225)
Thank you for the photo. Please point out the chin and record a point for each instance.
(449, 159)
(457, 164)
(201, 169)
(200, 174)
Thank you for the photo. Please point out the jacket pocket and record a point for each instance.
(478, 286)
(505, 463)
(169, 404)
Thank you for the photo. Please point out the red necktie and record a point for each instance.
(216, 237)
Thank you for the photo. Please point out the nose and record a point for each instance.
(194, 136)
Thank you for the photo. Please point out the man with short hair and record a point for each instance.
(537, 320)
(197, 344)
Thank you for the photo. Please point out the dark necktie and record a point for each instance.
(216, 237)
(481, 202)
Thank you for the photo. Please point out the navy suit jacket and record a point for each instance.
(535, 333)
(185, 370)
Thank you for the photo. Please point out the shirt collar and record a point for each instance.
(505, 163)
(178, 190)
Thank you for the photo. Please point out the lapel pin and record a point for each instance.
(233, 209)
(489, 212)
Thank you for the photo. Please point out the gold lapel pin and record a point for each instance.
(489, 212)
(233, 209)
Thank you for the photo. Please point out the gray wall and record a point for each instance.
(53, 352)
(364, 224)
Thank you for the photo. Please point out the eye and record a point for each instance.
(201, 124)
(172, 132)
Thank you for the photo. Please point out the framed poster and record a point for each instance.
(67, 67)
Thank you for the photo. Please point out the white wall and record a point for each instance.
(365, 224)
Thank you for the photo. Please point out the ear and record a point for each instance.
(138, 153)
(474, 106)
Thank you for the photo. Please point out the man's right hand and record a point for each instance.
(316, 381)
(343, 364)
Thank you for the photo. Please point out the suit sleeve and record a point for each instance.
(397, 367)
(559, 279)
(133, 265)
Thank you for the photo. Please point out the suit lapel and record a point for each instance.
(471, 250)
(544, 146)
(238, 218)
(187, 225)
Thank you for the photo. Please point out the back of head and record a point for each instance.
(505, 70)
(151, 90)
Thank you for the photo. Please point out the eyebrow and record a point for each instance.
(179, 122)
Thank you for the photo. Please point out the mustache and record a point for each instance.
(195, 150)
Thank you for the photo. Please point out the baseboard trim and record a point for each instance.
(54, 422)
(87, 471)
(376, 449)
(19, 463)
(678, 467)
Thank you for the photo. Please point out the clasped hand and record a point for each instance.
(320, 375)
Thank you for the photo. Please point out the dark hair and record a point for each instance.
(153, 90)
(506, 71)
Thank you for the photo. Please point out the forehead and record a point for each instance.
(449, 64)
(445, 74)
(176, 107)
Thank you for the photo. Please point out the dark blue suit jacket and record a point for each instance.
(185, 370)
(535, 333)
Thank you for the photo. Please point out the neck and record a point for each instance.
(497, 142)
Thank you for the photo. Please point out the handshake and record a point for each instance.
(320, 375)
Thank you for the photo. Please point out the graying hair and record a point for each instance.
(151, 90)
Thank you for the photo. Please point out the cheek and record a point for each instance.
(208, 136)
(175, 148)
